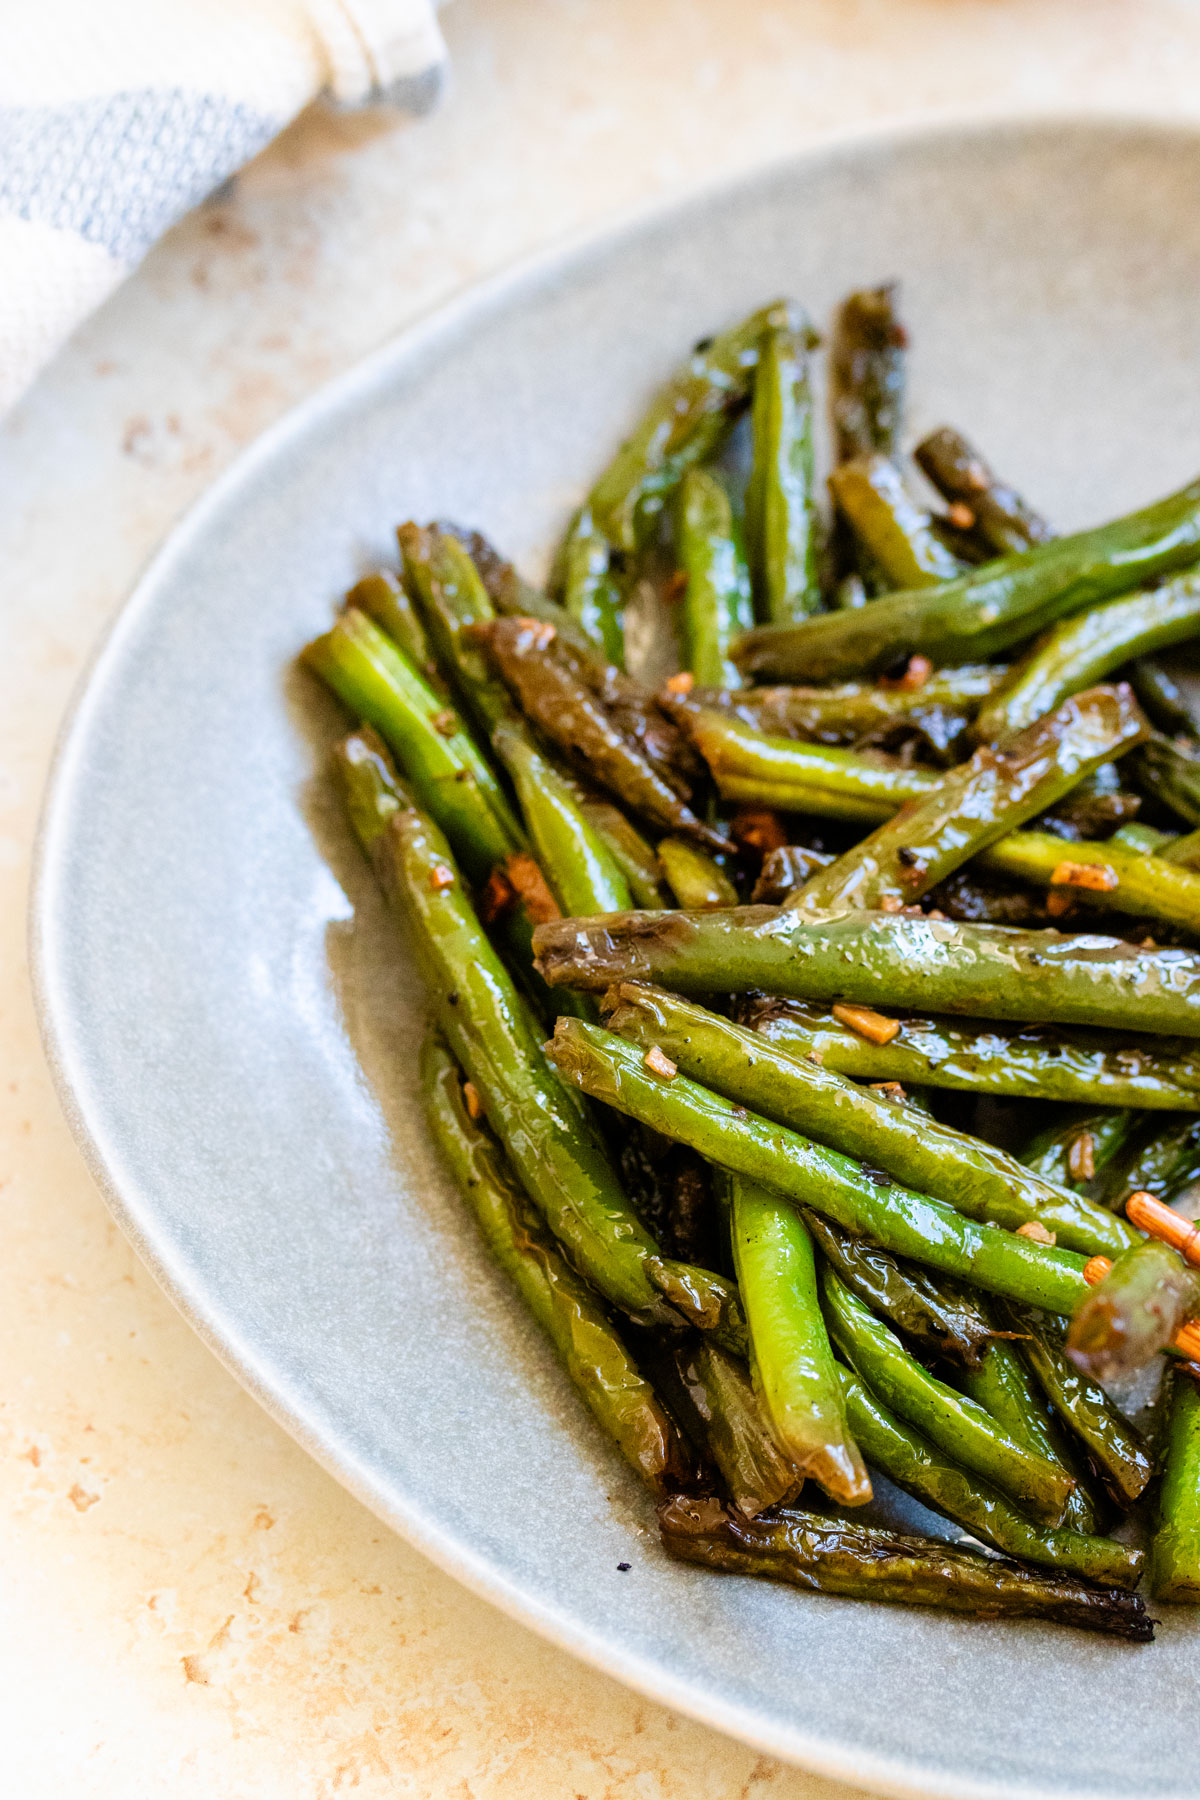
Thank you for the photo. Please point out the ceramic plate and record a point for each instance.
(235, 1031)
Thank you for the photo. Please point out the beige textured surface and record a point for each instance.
(189, 1606)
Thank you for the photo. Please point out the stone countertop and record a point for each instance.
(191, 1607)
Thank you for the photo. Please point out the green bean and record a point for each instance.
(977, 803)
(1169, 769)
(966, 1432)
(591, 592)
(984, 611)
(1183, 850)
(1145, 839)
(940, 707)
(878, 958)
(706, 1300)
(567, 712)
(1030, 1062)
(1162, 1158)
(1164, 700)
(633, 855)
(694, 878)
(436, 755)
(1002, 1384)
(753, 1467)
(382, 597)
(547, 1134)
(909, 1460)
(781, 507)
(452, 598)
(716, 598)
(866, 373)
(927, 1310)
(600, 1366)
(582, 875)
(1134, 1312)
(870, 494)
(965, 1172)
(1104, 875)
(865, 1203)
(1073, 1151)
(1111, 1442)
(1086, 648)
(1175, 1552)
(862, 1562)
(794, 1372)
(682, 426)
(1002, 520)
(834, 783)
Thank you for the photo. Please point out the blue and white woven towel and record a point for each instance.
(117, 116)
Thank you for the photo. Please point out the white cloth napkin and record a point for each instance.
(117, 116)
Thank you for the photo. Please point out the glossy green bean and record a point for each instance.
(1086, 648)
(1134, 1312)
(716, 598)
(866, 373)
(965, 1172)
(1175, 1551)
(781, 501)
(794, 1372)
(1073, 1151)
(927, 1310)
(435, 752)
(1169, 769)
(753, 1466)
(682, 426)
(591, 592)
(382, 597)
(1030, 1062)
(1002, 520)
(619, 1397)
(869, 492)
(977, 803)
(908, 1459)
(963, 1430)
(818, 778)
(1110, 1440)
(882, 959)
(582, 875)
(862, 1562)
(1002, 1384)
(694, 877)
(1122, 880)
(984, 611)
(608, 1069)
(555, 695)
(451, 597)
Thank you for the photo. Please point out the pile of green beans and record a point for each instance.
(833, 1187)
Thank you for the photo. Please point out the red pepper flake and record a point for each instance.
(680, 684)
(891, 903)
(1098, 878)
(1059, 902)
(527, 879)
(961, 516)
(867, 1023)
(893, 1089)
(498, 896)
(660, 1064)
(471, 1100)
(441, 877)
(1036, 1232)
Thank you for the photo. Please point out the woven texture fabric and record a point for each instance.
(118, 116)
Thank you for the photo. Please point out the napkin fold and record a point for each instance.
(118, 116)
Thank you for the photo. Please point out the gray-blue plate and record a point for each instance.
(235, 1035)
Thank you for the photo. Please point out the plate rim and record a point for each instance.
(441, 321)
